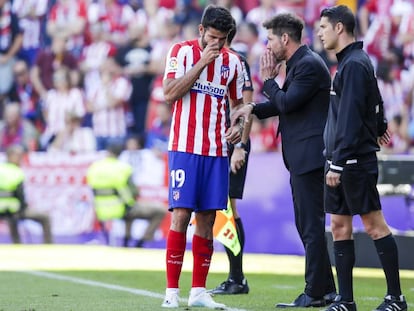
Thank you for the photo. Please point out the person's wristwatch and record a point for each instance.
(241, 145)
(253, 105)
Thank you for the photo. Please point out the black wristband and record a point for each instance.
(241, 145)
(253, 106)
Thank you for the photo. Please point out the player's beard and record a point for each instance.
(203, 41)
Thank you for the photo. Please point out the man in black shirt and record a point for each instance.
(355, 121)
(302, 106)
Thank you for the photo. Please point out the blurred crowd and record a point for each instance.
(77, 75)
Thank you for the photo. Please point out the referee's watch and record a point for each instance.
(241, 145)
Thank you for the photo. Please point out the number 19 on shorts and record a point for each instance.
(177, 178)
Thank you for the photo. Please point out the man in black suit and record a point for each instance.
(302, 106)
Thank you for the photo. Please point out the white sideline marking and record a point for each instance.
(130, 290)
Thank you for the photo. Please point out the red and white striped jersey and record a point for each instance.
(198, 121)
(108, 121)
(58, 104)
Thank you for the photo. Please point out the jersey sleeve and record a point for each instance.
(248, 84)
(237, 83)
(175, 62)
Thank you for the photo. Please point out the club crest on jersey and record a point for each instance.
(172, 64)
(176, 195)
(225, 71)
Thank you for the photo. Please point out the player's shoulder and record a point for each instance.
(185, 44)
(234, 57)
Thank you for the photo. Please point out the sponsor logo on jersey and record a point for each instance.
(209, 88)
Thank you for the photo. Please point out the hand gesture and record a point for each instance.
(384, 139)
(234, 133)
(269, 67)
(210, 53)
(333, 179)
(238, 159)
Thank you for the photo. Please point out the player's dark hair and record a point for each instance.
(340, 14)
(218, 18)
(286, 23)
(232, 33)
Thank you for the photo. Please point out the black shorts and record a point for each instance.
(237, 181)
(357, 194)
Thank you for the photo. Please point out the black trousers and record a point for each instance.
(307, 192)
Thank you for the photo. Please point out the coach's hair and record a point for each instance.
(218, 18)
(286, 23)
(340, 14)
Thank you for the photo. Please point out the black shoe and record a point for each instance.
(303, 301)
(139, 243)
(392, 303)
(339, 305)
(125, 242)
(329, 298)
(230, 287)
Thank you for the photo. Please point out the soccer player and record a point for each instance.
(199, 75)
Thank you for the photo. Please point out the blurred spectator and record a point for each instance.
(31, 14)
(107, 101)
(158, 132)
(94, 54)
(115, 18)
(171, 34)
(371, 13)
(24, 93)
(59, 101)
(135, 4)
(49, 60)
(379, 38)
(234, 9)
(403, 17)
(153, 17)
(263, 136)
(398, 129)
(74, 138)
(391, 89)
(13, 203)
(293, 6)
(247, 42)
(136, 63)
(11, 38)
(68, 18)
(115, 195)
(259, 14)
(188, 10)
(16, 130)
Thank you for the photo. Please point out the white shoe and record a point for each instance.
(199, 297)
(171, 298)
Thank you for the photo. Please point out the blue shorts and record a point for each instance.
(197, 182)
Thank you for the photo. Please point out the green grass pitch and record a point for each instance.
(100, 278)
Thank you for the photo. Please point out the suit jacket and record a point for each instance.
(302, 106)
